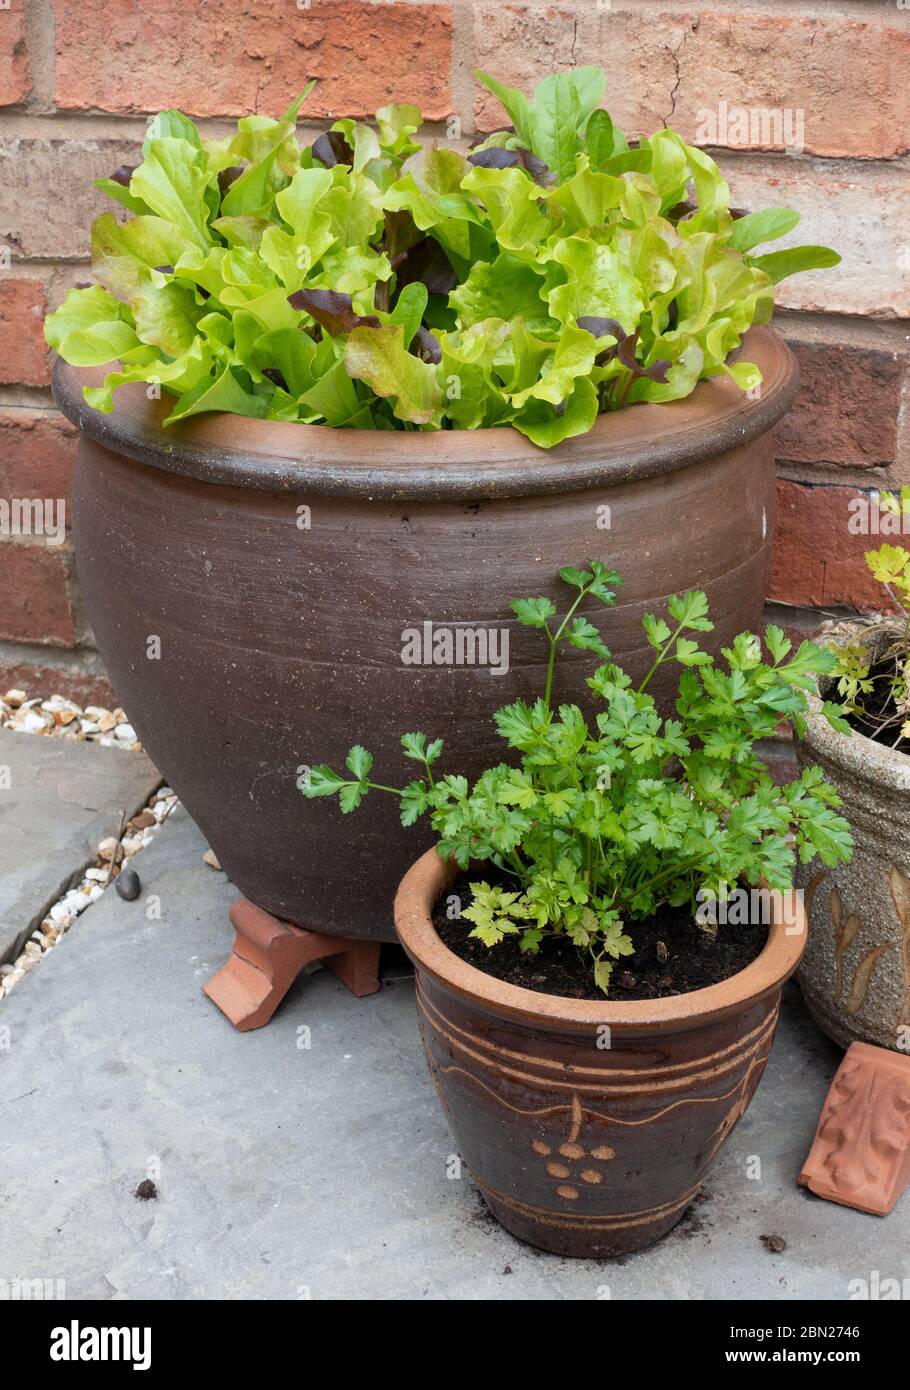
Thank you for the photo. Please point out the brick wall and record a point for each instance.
(827, 100)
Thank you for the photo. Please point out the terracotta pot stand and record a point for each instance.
(860, 1156)
(269, 954)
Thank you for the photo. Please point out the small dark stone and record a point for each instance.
(627, 980)
(128, 885)
(146, 1191)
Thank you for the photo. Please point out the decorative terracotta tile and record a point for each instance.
(860, 1156)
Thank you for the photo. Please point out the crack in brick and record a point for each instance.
(674, 54)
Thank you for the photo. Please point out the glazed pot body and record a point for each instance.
(279, 566)
(855, 976)
(589, 1126)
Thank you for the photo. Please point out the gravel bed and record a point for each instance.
(57, 717)
(61, 718)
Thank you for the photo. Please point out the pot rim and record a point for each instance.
(414, 904)
(855, 754)
(280, 456)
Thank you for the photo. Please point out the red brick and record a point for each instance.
(670, 66)
(15, 82)
(37, 456)
(23, 355)
(817, 561)
(41, 229)
(71, 681)
(861, 211)
(846, 412)
(34, 583)
(842, 73)
(235, 57)
(520, 43)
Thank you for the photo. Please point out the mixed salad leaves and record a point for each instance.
(369, 281)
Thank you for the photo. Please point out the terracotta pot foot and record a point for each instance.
(860, 1156)
(268, 956)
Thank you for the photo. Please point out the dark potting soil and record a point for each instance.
(878, 705)
(673, 954)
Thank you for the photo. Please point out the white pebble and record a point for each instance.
(33, 721)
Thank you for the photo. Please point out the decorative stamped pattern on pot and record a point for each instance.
(577, 1120)
(899, 884)
(847, 926)
(573, 1152)
(524, 1067)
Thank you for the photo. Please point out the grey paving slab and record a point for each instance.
(58, 799)
(309, 1158)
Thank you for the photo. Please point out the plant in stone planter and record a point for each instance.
(856, 973)
(614, 850)
(258, 291)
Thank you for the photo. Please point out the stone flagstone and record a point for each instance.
(310, 1159)
(58, 800)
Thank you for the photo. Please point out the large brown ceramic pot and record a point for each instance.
(855, 977)
(281, 642)
(589, 1126)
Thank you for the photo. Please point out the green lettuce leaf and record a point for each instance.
(379, 357)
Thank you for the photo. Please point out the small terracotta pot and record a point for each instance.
(855, 977)
(589, 1126)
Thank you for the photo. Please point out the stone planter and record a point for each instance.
(589, 1125)
(280, 629)
(855, 975)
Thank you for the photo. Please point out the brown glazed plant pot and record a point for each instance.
(589, 1126)
(249, 582)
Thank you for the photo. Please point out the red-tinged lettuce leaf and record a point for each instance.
(497, 157)
(400, 234)
(625, 352)
(332, 148)
(228, 176)
(332, 310)
(494, 157)
(426, 262)
(602, 327)
(426, 346)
